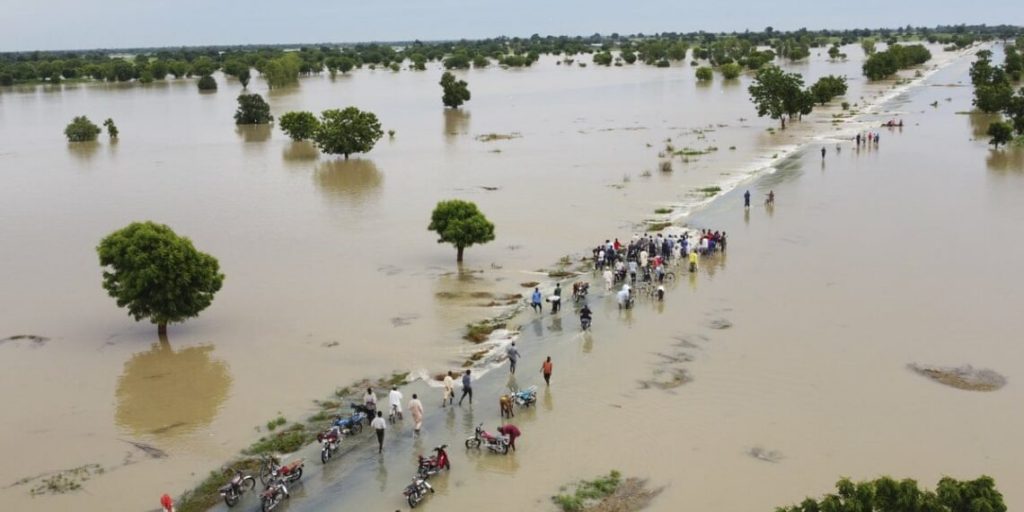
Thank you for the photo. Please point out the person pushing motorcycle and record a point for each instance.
(511, 433)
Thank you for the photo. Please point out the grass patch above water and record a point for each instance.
(710, 191)
(588, 492)
(663, 211)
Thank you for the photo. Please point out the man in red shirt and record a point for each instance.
(511, 432)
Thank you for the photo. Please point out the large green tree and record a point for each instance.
(299, 125)
(207, 83)
(81, 129)
(777, 94)
(1001, 133)
(828, 87)
(347, 131)
(252, 109)
(157, 274)
(461, 224)
(454, 92)
(887, 495)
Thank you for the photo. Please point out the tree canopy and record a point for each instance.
(112, 130)
(1001, 133)
(885, 64)
(461, 224)
(347, 131)
(454, 92)
(207, 83)
(776, 94)
(299, 125)
(252, 109)
(157, 274)
(828, 87)
(887, 495)
(81, 129)
(705, 74)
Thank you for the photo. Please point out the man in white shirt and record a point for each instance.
(395, 401)
(380, 426)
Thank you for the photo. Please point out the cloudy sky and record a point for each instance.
(79, 24)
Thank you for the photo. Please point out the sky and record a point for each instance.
(87, 24)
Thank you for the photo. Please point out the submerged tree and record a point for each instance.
(828, 87)
(731, 71)
(454, 92)
(157, 274)
(299, 125)
(252, 109)
(81, 129)
(207, 83)
(343, 132)
(112, 130)
(776, 94)
(704, 74)
(461, 224)
(887, 495)
(1001, 133)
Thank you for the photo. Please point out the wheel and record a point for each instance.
(325, 455)
(269, 504)
(414, 500)
(356, 427)
(248, 483)
(447, 466)
(231, 499)
(472, 443)
(670, 276)
(504, 449)
(298, 475)
(265, 474)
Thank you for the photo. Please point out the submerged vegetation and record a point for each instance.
(886, 494)
(605, 493)
(282, 65)
(81, 129)
(994, 93)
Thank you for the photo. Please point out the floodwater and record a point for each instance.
(869, 261)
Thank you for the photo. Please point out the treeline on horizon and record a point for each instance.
(283, 64)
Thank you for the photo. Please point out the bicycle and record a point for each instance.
(395, 413)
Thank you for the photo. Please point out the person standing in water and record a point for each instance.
(416, 409)
(823, 152)
(535, 301)
(449, 390)
(545, 369)
(746, 199)
(556, 300)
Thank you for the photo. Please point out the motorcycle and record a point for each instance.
(329, 441)
(273, 495)
(233, 490)
(416, 491)
(270, 470)
(368, 412)
(580, 290)
(497, 444)
(525, 397)
(353, 424)
(430, 466)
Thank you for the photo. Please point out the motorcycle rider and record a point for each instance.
(395, 401)
(586, 316)
(510, 432)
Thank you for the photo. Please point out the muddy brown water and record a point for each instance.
(869, 262)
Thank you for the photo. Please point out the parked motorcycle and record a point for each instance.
(353, 424)
(271, 470)
(329, 441)
(430, 466)
(273, 495)
(497, 444)
(368, 412)
(416, 491)
(233, 490)
(525, 397)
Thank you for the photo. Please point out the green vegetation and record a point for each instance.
(710, 191)
(157, 274)
(111, 128)
(603, 58)
(828, 87)
(1001, 133)
(663, 211)
(588, 492)
(461, 224)
(704, 74)
(252, 109)
(207, 83)
(776, 94)
(882, 65)
(347, 131)
(454, 92)
(731, 71)
(658, 226)
(868, 45)
(299, 125)
(81, 129)
(287, 440)
(480, 331)
(281, 71)
(885, 494)
(276, 422)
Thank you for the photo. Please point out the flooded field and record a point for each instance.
(797, 345)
